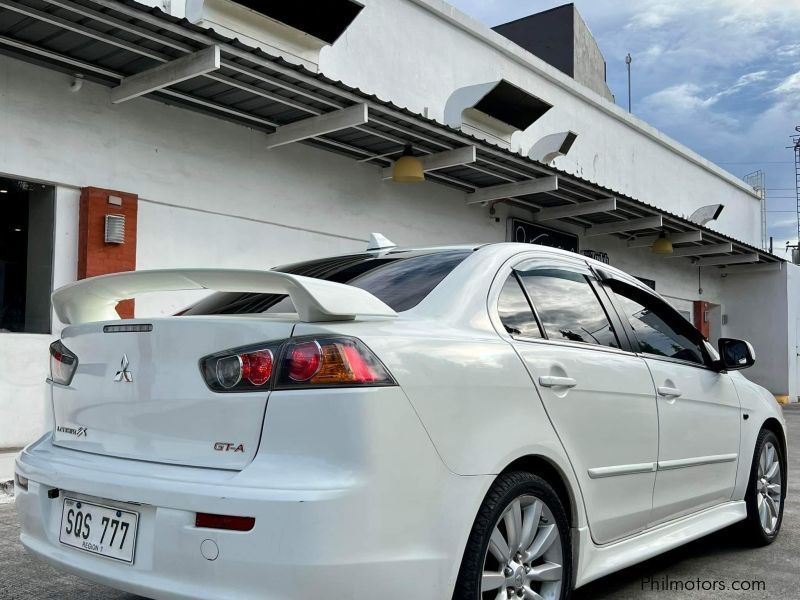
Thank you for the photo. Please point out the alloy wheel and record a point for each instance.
(768, 488)
(524, 558)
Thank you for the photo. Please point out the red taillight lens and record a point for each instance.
(244, 370)
(230, 523)
(331, 362)
(63, 363)
(304, 363)
(304, 360)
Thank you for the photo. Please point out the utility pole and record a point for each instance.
(628, 61)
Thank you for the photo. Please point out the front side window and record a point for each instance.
(659, 329)
(515, 311)
(568, 306)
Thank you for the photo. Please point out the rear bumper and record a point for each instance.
(376, 514)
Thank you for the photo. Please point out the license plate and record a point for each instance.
(103, 530)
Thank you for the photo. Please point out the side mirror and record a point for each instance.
(735, 354)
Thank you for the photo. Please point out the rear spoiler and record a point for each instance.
(95, 299)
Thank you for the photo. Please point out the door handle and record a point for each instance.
(550, 381)
(668, 392)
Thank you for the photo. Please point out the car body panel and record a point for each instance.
(375, 490)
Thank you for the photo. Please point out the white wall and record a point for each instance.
(756, 305)
(417, 52)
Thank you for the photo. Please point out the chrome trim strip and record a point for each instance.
(600, 472)
(666, 465)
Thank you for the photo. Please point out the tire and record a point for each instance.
(764, 501)
(518, 499)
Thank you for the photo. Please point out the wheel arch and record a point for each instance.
(772, 424)
(545, 468)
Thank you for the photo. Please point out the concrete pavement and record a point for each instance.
(720, 558)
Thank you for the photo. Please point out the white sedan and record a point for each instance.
(475, 422)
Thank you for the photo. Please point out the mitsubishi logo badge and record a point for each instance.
(123, 374)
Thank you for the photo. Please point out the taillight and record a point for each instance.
(63, 363)
(296, 363)
(242, 370)
(330, 362)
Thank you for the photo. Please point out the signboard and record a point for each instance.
(532, 233)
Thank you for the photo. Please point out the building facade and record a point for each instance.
(190, 164)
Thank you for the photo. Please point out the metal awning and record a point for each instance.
(138, 51)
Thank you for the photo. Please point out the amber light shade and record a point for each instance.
(662, 245)
(408, 168)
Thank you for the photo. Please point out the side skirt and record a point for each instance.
(597, 561)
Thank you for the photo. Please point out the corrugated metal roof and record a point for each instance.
(108, 40)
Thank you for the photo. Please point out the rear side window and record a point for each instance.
(515, 311)
(401, 281)
(568, 307)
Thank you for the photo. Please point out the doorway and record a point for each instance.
(27, 215)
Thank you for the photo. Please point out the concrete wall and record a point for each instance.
(590, 65)
(756, 306)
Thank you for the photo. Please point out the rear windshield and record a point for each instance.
(401, 281)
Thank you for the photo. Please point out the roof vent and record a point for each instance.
(493, 110)
(294, 30)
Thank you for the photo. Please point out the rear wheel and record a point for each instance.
(766, 490)
(519, 546)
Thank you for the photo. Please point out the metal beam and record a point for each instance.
(336, 120)
(624, 226)
(719, 261)
(167, 74)
(754, 267)
(511, 190)
(701, 250)
(576, 210)
(676, 238)
(441, 160)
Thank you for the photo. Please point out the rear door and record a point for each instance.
(141, 395)
(698, 408)
(599, 396)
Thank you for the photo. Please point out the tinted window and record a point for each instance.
(400, 281)
(659, 329)
(515, 312)
(568, 307)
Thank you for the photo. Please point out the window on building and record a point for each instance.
(659, 329)
(568, 307)
(26, 256)
(515, 311)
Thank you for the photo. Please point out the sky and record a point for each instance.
(720, 76)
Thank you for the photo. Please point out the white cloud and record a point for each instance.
(790, 85)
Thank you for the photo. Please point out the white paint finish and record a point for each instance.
(614, 148)
(736, 259)
(765, 294)
(95, 299)
(24, 404)
(167, 74)
(675, 238)
(628, 226)
(576, 210)
(595, 562)
(701, 250)
(463, 394)
(330, 122)
(686, 440)
(511, 190)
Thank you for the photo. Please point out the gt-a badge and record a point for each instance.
(76, 431)
(228, 447)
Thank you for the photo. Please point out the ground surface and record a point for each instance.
(720, 557)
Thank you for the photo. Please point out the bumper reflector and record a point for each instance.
(209, 521)
(22, 482)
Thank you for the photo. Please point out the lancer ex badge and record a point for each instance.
(124, 374)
